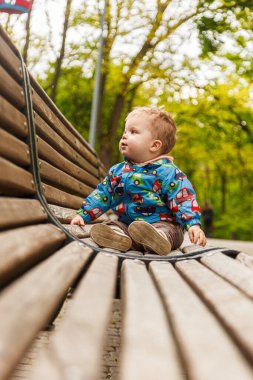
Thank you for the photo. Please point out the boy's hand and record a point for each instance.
(78, 220)
(196, 235)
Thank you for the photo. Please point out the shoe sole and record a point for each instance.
(145, 234)
(105, 237)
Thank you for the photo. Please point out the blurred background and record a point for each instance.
(194, 58)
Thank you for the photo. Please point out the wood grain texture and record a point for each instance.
(204, 345)
(245, 259)
(148, 350)
(61, 198)
(233, 308)
(77, 231)
(11, 90)
(65, 215)
(14, 149)
(20, 250)
(14, 180)
(17, 212)
(9, 59)
(51, 118)
(24, 319)
(61, 117)
(62, 180)
(47, 153)
(11, 119)
(231, 270)
(76, 348)
(57, 142)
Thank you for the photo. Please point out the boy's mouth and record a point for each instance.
(123, 145)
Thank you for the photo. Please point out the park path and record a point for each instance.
(239, 245)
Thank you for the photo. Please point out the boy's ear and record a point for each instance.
(156, 145)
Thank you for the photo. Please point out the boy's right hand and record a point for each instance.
(78, 220)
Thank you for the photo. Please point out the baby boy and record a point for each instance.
(152, 197)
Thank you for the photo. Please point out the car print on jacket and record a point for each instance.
(153, 191)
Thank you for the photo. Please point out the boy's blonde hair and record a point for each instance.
(162, 124)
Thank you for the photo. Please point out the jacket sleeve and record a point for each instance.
(181, 200)
(98, 202)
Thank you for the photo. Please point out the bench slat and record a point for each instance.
(17, 212)
(20, 249)
(233, 308)
(58, 143)
(62, 180)
(232, 270)
(10, 89)
(147, 344)
(22, 320)
(61, 198)
(65, 215)
(61, 117)
(11, 119)
(14, 180)
(47, 153)
(84, 322)
(46, 113)
(245, 259)
(10, 60)
(205, 347)
(14, 149)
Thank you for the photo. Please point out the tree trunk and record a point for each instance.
(108, 140)
(223, 191)
(59, 60)
(27, 36)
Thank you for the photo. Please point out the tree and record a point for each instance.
(155, 51)
(59, 60)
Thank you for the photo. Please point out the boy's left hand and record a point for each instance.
(196, 235)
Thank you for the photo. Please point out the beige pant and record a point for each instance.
(173, 232)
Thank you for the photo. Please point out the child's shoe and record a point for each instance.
(151, 239)
(110, 237)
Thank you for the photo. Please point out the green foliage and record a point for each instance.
(215, 133)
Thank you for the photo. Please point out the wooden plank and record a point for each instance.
(11, 90)
(62, 180)
(63, 119)
(195, 248)
(11, 119)
(20, 250)
(61, 198)
(14, 149)
(175, 252)
(9, 60)
(14, 180)
(58, 143)
(205, 347)
(148, 350)
(77, 231)
(21, 321)
(245, 259)
(77, 345)
(47, 153)
(65, 215)
(232, 270)
(232, 307)
(17, 212)
(50, 117)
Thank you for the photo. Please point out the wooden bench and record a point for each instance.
(188, 316)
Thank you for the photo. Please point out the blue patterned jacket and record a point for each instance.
(153, 191)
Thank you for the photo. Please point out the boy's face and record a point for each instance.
(137, 141)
